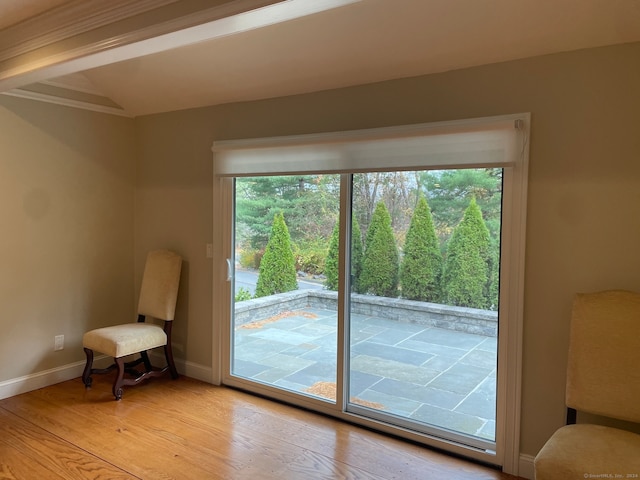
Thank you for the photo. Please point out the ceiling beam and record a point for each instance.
(86, 34)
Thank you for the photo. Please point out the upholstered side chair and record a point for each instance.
(603, 378)
(158, 296)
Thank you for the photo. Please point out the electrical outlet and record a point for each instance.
(58, 342)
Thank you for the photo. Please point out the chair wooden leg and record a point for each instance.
(147, 363)
(86, 374)
(119, 381)
(168, 353)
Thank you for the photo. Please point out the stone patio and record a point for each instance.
(428, 374)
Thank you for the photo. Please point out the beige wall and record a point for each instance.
(173, 210)
(66, 241)
(584, 186)
(70, 212)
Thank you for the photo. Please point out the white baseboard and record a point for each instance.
(525, 469)
(195, 370)
(34, 381)
(189, 369)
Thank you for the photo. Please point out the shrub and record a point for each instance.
(331, 263)
(494, 275)
(249, 258)
(310, 256)
(466, 272)
(379, 274)
(421, 268)
(277, 268)
(356, 255)
(242, 294)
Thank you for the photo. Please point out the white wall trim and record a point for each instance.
(189, 369)
(67, 102)
(526, 469)
(511, 310)
(68, 20)
(76, 82)
(34, 381)
(195, 371)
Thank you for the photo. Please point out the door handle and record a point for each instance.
(229, 270)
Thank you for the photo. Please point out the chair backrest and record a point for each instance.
(160, 281)
(603, 374)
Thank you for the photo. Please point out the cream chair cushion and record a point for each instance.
(578, 451)
(122, 340)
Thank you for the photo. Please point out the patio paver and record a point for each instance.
(436, 376)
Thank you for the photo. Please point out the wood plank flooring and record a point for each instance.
(187, 429)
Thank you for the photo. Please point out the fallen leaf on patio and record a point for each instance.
(328, 390)
(275, 318)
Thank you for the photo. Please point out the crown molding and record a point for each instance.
(69, 20)
(74, 90)
(67, 102)
(75, 81)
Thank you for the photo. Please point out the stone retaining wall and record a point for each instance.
(470, 320)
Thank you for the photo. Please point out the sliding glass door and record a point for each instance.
(421, 327)
(382, 296)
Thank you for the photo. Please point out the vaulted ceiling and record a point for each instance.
(192, 53)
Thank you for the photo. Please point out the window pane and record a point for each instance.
(423, 322)
(284, 326)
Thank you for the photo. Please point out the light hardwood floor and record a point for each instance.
(186, 429)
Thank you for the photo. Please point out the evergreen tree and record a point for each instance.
(356, 255)
(309, 203)
(450, 192)
(466, 272)
(421, 269)
(277, 268)
(494, 275)
(331, 263)
(379, 274)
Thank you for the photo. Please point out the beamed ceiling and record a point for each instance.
(148, 56)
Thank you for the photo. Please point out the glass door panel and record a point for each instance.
(421, 319)
(424, 299)
(284, 319)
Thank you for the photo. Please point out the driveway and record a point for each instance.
(247, 279)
